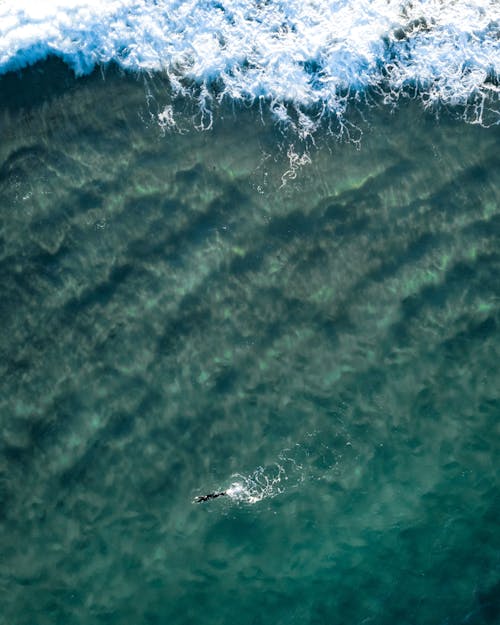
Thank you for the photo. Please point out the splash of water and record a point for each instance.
(261, 484)
(291, 469)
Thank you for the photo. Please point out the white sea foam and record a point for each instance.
(308, 55)
(311, 459)
(263, 483)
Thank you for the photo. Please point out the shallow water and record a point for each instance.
(183, 311)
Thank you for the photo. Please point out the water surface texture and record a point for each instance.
(314, 328)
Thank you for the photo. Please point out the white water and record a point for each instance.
(264, 482)
(293, 467)
(311, 55)
(258, 486)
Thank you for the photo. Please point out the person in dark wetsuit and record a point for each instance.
(201, 498)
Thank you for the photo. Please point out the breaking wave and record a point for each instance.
(311, 57)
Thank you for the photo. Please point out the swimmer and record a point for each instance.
(201, 498)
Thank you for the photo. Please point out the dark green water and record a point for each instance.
(174, 318)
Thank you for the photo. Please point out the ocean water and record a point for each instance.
(252, 248)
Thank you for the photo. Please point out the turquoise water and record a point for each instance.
(185, 310)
